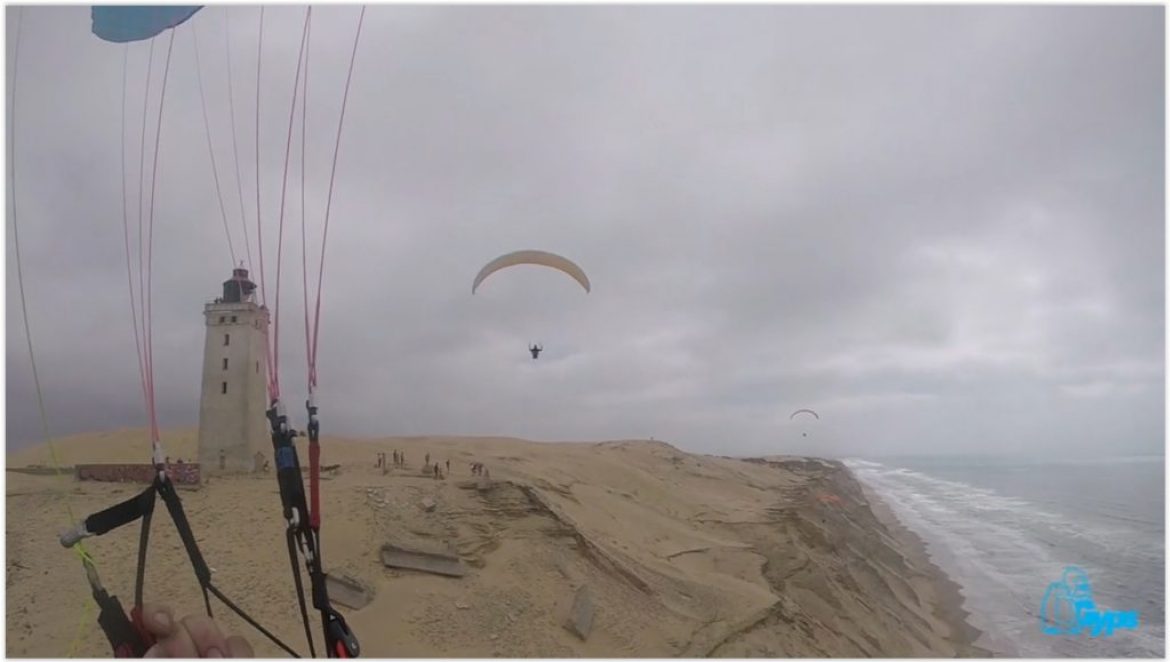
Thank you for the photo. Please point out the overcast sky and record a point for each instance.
(942, 228)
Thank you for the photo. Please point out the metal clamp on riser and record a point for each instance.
(71, 537)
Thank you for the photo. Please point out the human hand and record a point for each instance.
(193, 636)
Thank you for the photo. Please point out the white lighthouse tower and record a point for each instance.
(232, 423)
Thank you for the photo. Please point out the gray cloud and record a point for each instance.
(942, 227)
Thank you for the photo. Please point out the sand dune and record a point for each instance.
(683, 555)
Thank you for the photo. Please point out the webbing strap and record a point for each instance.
(125, 639)
(339, 639)
(127, 635)
(292, 557)
(121, 514)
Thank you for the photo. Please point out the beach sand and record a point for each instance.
(682, 554)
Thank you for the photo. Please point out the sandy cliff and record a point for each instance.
(681, 554)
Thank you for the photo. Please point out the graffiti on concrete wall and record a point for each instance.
(181, 474)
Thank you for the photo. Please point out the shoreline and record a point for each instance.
(950, 607)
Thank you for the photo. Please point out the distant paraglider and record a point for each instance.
(540, 258)
(804, 411)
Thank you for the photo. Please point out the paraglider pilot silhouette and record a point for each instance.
(533, 257)
(804, 411)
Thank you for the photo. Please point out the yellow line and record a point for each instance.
(79, 548)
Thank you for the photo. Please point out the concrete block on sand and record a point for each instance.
(347, 591)
(580, 620)
(428, 504)
(398, 556)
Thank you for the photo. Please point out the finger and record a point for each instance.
(158, 620)
(238, 646)
(209, 641)
(176, 643)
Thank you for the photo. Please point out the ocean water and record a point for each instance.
(1004, 529)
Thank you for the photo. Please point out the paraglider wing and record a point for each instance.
(541, 258)
(805, 411)
(122, 23)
